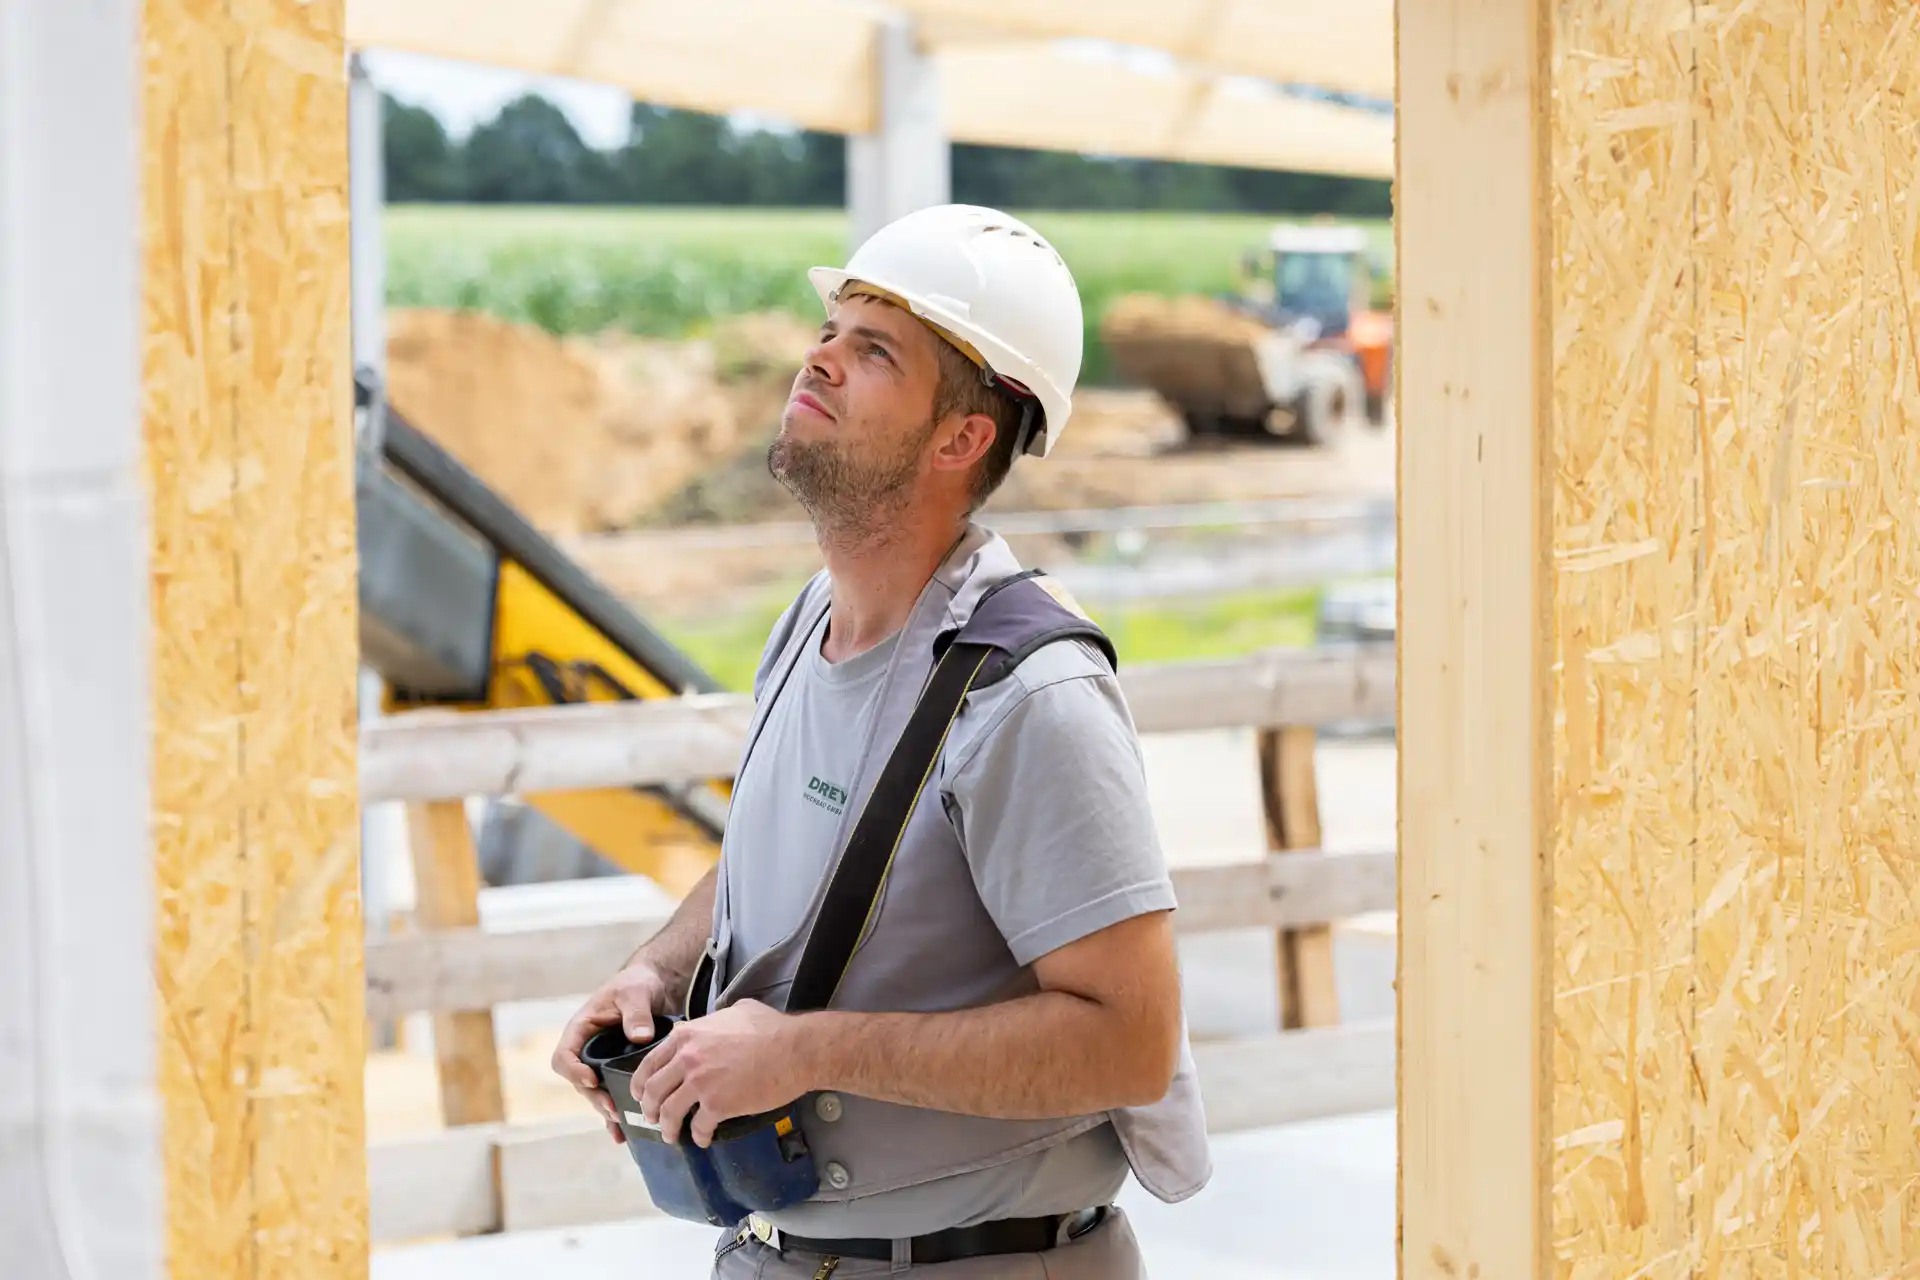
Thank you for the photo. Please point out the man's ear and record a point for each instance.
(964, 443)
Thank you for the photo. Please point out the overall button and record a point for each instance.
(837, 1176)
(827, 1107)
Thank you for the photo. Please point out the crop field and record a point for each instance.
(668, 272)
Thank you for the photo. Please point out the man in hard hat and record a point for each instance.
(1006, 1042)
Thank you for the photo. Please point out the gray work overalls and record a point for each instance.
(928, 949)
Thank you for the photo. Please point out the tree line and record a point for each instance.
(530, 153)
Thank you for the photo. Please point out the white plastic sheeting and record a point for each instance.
(80, 1172)
(808, 61)
(1006, 77)
(1345, 45)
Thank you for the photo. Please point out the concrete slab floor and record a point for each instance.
(1310, 1201)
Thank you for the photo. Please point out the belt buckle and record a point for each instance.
(763, 1231)
(1081, 1221)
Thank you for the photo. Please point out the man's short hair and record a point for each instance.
(962, 390)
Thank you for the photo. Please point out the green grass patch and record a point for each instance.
(1174, 630)
(1224, 626)
(668, 272)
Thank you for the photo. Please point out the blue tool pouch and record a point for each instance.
(755, 1164)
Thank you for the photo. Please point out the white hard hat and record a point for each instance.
(992, 286)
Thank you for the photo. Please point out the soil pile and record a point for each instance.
(589, 434)
(1153, 315)
(513, 404)
(1198, 352)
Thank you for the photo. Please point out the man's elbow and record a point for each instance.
(1152, 1056)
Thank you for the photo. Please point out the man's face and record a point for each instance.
(859, 417)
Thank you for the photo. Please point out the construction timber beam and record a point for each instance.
(1660, 453)
(249, 438)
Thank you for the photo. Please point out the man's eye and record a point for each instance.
(880, 351)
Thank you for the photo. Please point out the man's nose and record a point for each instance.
(823, 361)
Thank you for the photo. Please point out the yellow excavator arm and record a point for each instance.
(466, 606)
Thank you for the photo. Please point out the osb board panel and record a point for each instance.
(1736, 209)
(247, 408)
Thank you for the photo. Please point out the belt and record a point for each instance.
(1002, 1236)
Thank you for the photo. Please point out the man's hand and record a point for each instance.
(630, 1000)
(736, 1061)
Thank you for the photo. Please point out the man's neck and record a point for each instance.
(876, 583)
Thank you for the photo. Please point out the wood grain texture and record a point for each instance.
(1290, 801)
(446, 875)
(1474, 635)
(1736, 204)
(247, 418)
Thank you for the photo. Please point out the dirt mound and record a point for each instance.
(607, 433)
(1154, 315)
(1115, 423)
(589, 434)
(517, 407)
(1199, 353)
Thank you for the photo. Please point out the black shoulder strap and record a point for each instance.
(854, 891)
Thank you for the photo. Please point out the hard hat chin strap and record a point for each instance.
(1030, 411)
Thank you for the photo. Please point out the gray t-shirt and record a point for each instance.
(1044, 782)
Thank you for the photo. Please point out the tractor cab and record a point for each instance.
(1316, 279)
(1321, 273)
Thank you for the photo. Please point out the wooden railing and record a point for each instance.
(483, 1175)
(450, 755)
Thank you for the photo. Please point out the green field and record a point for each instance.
(1184, 630)
(669, 272)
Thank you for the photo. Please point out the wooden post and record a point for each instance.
(1472, 305)
(247, 403)
(1660, 454)
(446, 876)
(1291, 800)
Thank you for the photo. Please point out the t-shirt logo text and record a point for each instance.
(828, 796)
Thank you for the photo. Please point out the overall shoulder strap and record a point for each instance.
(1010, 622)
(1022, 615)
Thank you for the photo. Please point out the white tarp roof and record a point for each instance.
(1005, 77)
(1347, 46)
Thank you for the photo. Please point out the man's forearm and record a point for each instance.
(676, 948)
(1040, 1056)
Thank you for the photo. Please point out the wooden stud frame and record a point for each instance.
(247, 402)
(1659, 644)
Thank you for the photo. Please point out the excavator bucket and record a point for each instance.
(1205, 357)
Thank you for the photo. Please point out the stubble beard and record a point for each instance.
(851, 501)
